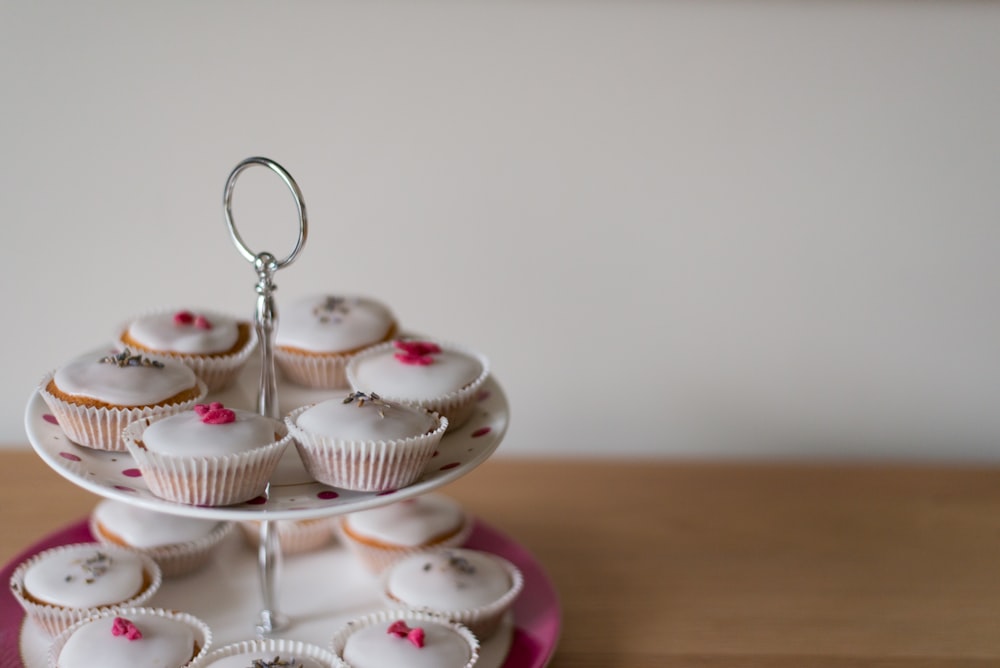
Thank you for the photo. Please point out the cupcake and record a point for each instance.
(364, 444)
(470, 587)
(294, 536)
(215, 346)
(440, 377)
(208, 456)
(405, 639)
(179, 545)
(384, 535)
(95, 397)
(132, 637)
(321, 333)
(62, 585)
(271, 653)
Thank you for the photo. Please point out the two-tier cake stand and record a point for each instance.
(308, 598)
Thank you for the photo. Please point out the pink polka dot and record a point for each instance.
(386, 492)
(132, 473)
(70, 456)
(124, 488)
(327, 494)
(50, 418)
(482, 431)
(483, 396)
(453, 465)
(436, 453)
(257, 501)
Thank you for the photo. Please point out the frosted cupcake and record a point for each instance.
(61, 586)
(294, 536)
(180, 545)
(405, 639)
(94, 397)
(132, 637)
(471, 587)
(270, 653)
(208, 456)
(440, 377)
(214, 345)
(321, 333)
(382, 536)
(364, 444)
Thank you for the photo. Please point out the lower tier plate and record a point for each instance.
(319, 591)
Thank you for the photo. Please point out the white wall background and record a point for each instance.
(748, 228)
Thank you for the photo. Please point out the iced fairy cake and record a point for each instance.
(214, 345)
(363, 443)
(210, 455)
(440, 377)
(63, 585)
(319, 334)
(94, 397)
(130, 638)
(178, 544)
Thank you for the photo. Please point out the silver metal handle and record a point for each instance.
(266, 323)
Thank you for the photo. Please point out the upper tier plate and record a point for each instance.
(294, 495)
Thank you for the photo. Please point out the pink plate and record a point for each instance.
(536, 612)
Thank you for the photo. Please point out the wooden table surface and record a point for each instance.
(713, 565)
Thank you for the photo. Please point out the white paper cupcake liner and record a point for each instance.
(217, 371)
(272, 647)
(378, 558)
(203, 634)
(177, 558)
(294, 536)
(206, 480)
(364, 466)
(483, 620)
(54, 619)
(457, 406)
(319, 371)
(101, 428)
(340, 637)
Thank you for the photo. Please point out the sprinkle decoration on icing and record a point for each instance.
(93, 567)
(187, 319)
(124, 627)
(276, 662)
(416, 352)
(215, 413)
(332, 309)
(401, 630)
(362, 398)
(126, 359)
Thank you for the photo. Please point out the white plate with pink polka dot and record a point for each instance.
(293, 494)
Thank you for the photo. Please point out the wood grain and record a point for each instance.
(714, 565)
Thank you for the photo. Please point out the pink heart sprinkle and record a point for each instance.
(123, 627)
(201, 322)
(183, 318)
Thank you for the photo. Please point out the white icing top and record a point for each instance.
(124, 385)
(409, 523)
(246, 660)
(160, 332)
(85, 577)
(388, 376)
(328, 324)
(374, 647)
(143, 528)
(165, 642)
(185, 434)
(372, 421)
(448, 580)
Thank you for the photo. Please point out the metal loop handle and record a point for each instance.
(300, 205)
